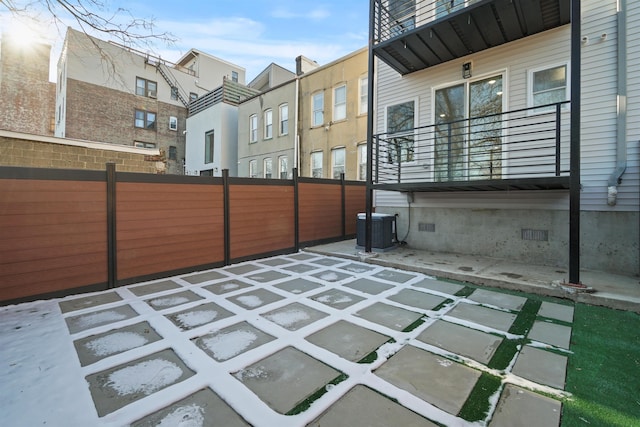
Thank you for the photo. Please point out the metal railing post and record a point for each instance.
(449, 149)
(558, 124)
(112, 251)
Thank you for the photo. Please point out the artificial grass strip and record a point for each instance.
(414, 325)
(478, 404)
(465, 292)
(504, 354)
(305, 404)
(603, 373)
(526, 317)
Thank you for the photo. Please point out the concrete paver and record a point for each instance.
(347, 340)
(99, 318)
(550, 333)
(90, 301)
(495, 319)
(417, 299)
(522, 408)
(173, 300)
(226, 286)
(199, 315)
(392, 317)
(510, 302)
(294, 316)
(556, 311)
(154, 288)
(542, 367)
(204, 277)
(231, 341)
(254, 299)
(337, 298)
(298, 286)
(369, 286)
(439, 286)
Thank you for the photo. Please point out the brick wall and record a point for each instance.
(97, 113)
(28, 98)
(16, 151)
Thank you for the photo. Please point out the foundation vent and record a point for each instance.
(424, 226)
(535, 235)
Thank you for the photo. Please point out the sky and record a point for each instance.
(251, 33)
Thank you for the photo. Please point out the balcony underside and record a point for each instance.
(479, 26)
(546, 183)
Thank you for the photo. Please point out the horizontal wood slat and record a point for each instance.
(320, 211)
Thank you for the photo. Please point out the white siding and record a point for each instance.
(628, 192)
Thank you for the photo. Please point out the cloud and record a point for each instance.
(316, 14)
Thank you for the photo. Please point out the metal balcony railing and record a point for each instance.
(531, 143)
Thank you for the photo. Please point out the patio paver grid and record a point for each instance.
(305, 339)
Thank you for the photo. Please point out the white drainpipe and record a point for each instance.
(621, 134)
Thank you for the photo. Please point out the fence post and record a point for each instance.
(296, 211)
(112, 251)
(344, 205)
(227, 219)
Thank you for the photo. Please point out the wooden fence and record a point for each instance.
(65, 231)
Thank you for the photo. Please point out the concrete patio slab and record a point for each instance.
(116, 387)
(495, 319)
(550, 333)
(357, 268)
(541, 366)
(392, 317)
(368, 286)
(267, 276)
(198, 316)
(435, 379)
(349, 341)
(302, 256)
(301, 268)
(229, 342)
(394, 276)
(294, 316)
(298, 286)
(173, 300)
(510, 302)
(362, 406)
(226, 286)
(254, 299)
(242, 269)
(518, 407)
(337, 298)
(203, 409)
(96, 347)
(331, 276)
(154, 288)
(439, 286)
(471, 343)
(275, 262)
(326, 262)
(99, 318)
(205, 277)
(556, 311)
(417, 299)
(286, 378)
(89, 301)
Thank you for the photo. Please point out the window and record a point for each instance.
(364, 95)
(362, 162)
(174, 93)
(173, 152)
(316, 164)
(173, 123)
(402, 16)
(283, 167)
(234, 76)
(145, 119)
(337, 162)
(208, 146)
(253, 128)
(284, 119)
(340, 103)
(268, 167)
(400, 125)
(146, 87)
(253, 169)
(268, 124)
(208, 172)
(317, 116)
(192, 96)
(548, 86)
(142, 144)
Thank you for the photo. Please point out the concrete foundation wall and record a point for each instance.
(609, 240)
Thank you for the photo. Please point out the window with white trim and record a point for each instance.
(548, 86)
(340, 103)
(364, 95)
(337, 162)
(208, 146)
(268, 167)
(173, 123)
(268, 124)
(283, 167)
(316, 164)
(253, 128)
(317, 108)
(284, 119)
(362, 162)
(253, 169)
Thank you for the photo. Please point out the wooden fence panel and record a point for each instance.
(262, 219)
(320, 211)
(53, 236)
(355, 203)
(164, 226)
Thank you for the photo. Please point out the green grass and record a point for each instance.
(477, 405)
(603, 373)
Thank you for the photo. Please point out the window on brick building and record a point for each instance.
(142, 144)
(173, 123)
(173, 152)
(145, 119)
(146, 87)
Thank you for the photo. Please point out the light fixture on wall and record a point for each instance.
(466, 70)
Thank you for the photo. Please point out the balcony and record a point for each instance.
(525, 149)
(412, 35)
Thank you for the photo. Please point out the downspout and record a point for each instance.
(296, 136)
(621, 131)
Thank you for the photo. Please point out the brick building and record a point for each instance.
(27, 96)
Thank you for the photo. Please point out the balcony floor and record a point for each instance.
(547, 183)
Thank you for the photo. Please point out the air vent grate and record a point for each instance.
(535, 235)
(424, 226)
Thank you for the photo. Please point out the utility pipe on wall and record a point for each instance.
(621, 130)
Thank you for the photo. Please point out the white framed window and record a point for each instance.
(316, 164)
(208, 146)
(146, 88)
(339, 103)
(283, 167)
(363, 96)
(145, 119)
(400, 127)
(253, 128)
(317, 109)
(234, 76)
(284, 119)
(268, 167)
(548, 85)
(142, 144)
(268, 124)
(192, 96)
(362, 161)
(337, 162)
(253, 169)
(173, 123)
